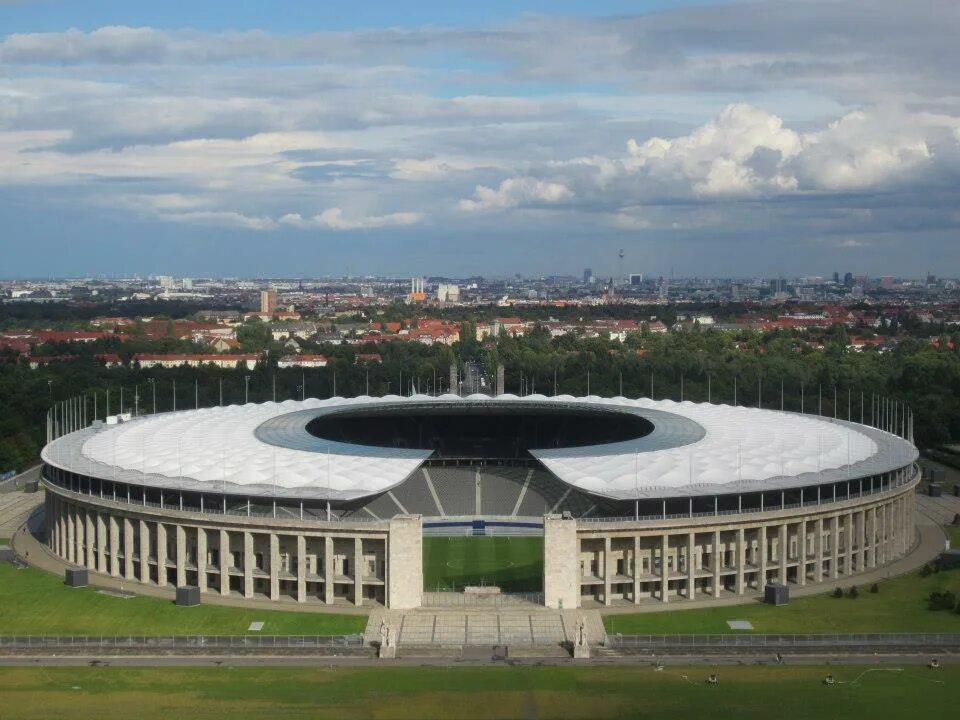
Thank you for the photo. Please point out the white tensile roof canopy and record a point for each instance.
(695, 449)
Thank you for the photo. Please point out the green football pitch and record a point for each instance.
(515, 564)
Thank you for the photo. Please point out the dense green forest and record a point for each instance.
(755, 367)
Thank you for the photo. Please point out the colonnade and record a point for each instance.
(331, 563)
(623, 562)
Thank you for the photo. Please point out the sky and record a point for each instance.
(269, 139)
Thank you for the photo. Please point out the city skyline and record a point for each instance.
(725, 139)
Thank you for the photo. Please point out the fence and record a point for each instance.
(775, 642)
(181, 642)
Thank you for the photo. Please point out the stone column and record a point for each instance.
(102, 543)
(71, 534)
(224, 563)
(636, 569)
(664, 571)
(91, 540)
(181, 556)
(848, 542)
(882, 535)
(741, 561)
(802, 553)
(764, 554)
(818, 548)
(328, 593)
(248, 563)
(357, 571)
(834, 547)
(128, 549)
(57, 518)
(716, 563)
(861, 541)
(145, 552)
(691, 567)
(872, 537)
(161, 555)
(606, 570)
(202, 559)
(301, 568)
(783, 553)
(274, 567)
(114, 546)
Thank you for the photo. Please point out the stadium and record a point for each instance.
(336, 501)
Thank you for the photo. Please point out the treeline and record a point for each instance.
(752, 369)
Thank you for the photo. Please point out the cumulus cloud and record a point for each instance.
(514, 192)
(334, 219)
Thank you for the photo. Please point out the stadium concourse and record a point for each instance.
(327, 502)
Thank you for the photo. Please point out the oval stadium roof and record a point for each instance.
(695, 449)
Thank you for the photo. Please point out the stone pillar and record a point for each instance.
(764, 554)
(741, 561)
(818, 562)
(882, 535)
(691, 567)
(802, 553)
(848, 542)
(872, 537)
(128, 549)
(71, 534)
(181, 556)
(248, 563)
(202, 559)
(274, 567)
(783, 553)
(56, 517)
(861, 541)
(357, 571)
(404, 560)
(90, 535)
(301, 568)
(716, 563)
(636, 569)
(835, 547)
(102, 542)
(607, 542)
(328, 593)
(664, 571)
(114, 546)
(161, 555)
(145, 552)
(224, 563)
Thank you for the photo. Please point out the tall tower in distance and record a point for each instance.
(268, 301)
(619, 280)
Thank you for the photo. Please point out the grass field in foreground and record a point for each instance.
(900, 606)
(33, 602)
(515, 564)
(473, 693)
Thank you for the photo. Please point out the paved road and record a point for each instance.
(413, 661)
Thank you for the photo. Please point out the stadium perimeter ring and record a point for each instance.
(326, 501)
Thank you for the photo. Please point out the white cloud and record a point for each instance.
(333, 219)
(514, 192)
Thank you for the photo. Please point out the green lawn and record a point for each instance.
(899, 607)
(33, 602)
(515, 564)
(592, 693)
(953, 532)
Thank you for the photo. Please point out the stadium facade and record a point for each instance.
(327, 501)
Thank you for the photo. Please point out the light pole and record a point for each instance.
(246, 389)
(153, 388)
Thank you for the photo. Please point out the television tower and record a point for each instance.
(619, 280)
